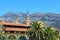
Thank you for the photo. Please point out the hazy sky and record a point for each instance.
(31, 5)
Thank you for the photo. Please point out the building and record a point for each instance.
(15, 30)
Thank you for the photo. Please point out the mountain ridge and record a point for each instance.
(50, 19)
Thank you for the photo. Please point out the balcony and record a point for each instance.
(16, 29)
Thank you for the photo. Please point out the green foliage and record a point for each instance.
(42, 33)
(12, 38)
(0, 36)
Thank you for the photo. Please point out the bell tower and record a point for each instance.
(27, 19)
(16, 21)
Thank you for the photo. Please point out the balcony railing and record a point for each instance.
(15, 29)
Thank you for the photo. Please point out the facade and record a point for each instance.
(16, 30)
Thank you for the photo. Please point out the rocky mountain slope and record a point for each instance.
(49, 19)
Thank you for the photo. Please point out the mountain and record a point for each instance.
(49, 19)
(11, 16)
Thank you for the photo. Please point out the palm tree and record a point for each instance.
(51, 34)
(35, 30)
(39, 32)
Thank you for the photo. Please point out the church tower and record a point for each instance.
(27, 19)
(16, 21)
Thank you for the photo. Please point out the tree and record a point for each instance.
(51, 34)
(39, 32)
(34, 33)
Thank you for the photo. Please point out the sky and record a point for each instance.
(31, 5)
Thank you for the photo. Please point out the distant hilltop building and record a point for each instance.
(15, 29)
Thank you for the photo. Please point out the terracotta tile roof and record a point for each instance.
(14, 24)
